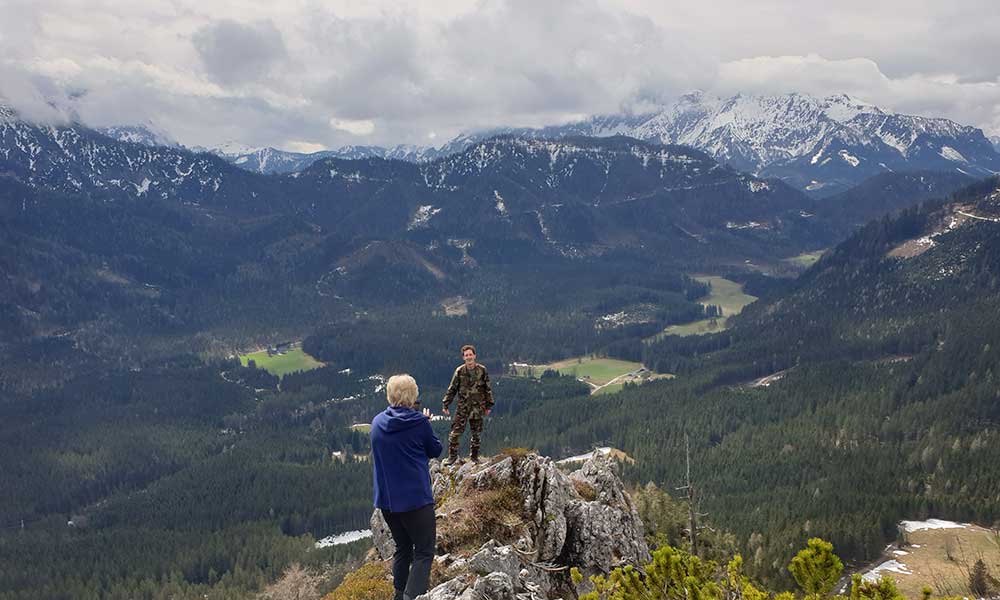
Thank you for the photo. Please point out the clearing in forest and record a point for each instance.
(603, 375)
(726, 294)
(281, 362)
(806, 259)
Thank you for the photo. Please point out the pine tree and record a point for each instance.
(816, 568)
(979, 576)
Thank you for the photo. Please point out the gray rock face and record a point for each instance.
(493, 558)
(546, 492)
(608, 530)
(560, 529)
(381, 536)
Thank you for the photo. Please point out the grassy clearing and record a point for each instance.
(603, 375)
(925, 559)
(806, 259)
(597, 371)
(280, 364)
(725, 293)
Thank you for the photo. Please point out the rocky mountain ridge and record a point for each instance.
(513, 527)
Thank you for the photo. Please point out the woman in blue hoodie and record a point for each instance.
(402, 445)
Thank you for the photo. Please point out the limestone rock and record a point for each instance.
(448, 590)
(494, 558)
(554, 527)
(495, 586)
(608, 531)
(381, 536)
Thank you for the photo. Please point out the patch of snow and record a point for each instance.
(345, 371)
(501, 207)
(585, 457)
(422, 217)
(814, 185)
(344, 538)
(950, 153)
(911, 526)
(747, 225)
(816, 156)
(849, 158)
(757, 185)
(143, 187)
(889, 566)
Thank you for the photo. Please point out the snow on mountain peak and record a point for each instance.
(145, 135)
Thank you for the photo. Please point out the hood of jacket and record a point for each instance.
(398, 418)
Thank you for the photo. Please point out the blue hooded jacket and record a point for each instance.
(402, 444)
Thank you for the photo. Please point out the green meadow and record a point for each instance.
(290, 361)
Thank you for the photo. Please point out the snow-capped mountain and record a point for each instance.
(273, 161)
(821, 145)
(74, 159)
(145, 135)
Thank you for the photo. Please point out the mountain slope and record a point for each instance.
(887, 193)
(74, 159)
(821, 145)
(273, 161)
(862, 394)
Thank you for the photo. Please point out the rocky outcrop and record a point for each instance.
(513, 527)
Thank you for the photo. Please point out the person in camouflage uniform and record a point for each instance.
(471, 384)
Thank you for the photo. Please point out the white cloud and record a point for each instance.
(326, 74)
(356, 127)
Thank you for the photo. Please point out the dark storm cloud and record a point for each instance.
(234, 52)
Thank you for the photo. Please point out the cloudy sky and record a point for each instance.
(310, 74)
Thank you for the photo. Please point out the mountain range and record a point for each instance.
(839, 402)
(820, 145)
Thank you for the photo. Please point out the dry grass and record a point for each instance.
(370, 582)
(929, 563)
(477, 515)
(514, 453)
(586, 491)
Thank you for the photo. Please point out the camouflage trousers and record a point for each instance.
(467, 411)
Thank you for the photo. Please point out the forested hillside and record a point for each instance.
(139, 456)
(863, 395)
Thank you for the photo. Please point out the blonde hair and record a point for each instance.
(401, 390)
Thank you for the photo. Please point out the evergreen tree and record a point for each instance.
(816, 568)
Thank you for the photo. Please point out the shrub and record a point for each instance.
(370, 582)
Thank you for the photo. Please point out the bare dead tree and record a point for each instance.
(693, 500)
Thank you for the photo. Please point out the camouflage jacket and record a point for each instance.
(471, 383)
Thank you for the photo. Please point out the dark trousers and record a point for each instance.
(414, 532)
